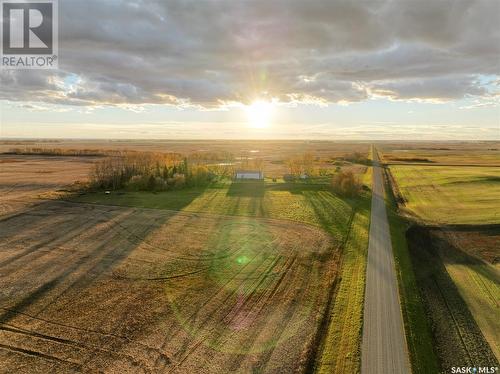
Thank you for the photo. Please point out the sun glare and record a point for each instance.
(259, 114)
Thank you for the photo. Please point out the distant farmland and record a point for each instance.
(449, 153)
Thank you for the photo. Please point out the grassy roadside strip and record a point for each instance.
(341, 347)
(418, 335)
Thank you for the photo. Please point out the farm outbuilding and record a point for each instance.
(249, 174)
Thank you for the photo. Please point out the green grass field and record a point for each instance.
(450, 195)
(342, 345)
(341, 350)
(313, 204)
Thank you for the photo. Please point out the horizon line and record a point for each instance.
(257, 139)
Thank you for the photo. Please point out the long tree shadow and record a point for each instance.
(299, 187)
(458, 339)
(39, 272)
(247, 189)
(326, 209)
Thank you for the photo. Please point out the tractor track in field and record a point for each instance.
(73, 343)
(37, 354)
(107, 335)
(221, 319)
(453, 318)
(220, 290)
(229, 315)
(210, 317)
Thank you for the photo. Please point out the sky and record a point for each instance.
(281, 69)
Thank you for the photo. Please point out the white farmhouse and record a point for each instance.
(249, 174)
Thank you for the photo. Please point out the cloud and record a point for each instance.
(206, 53)
(431, 89)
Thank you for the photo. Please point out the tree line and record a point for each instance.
(155, 171)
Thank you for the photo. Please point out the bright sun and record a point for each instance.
(259, 114)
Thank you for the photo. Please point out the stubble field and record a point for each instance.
(117, 289)
(24, 180)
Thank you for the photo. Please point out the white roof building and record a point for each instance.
(249, 174)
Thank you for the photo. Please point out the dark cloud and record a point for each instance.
(209, 52)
